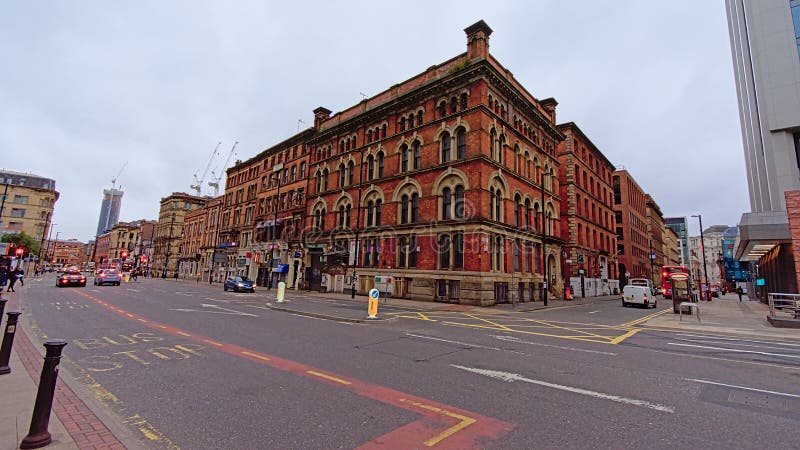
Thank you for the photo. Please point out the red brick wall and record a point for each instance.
(793, 211)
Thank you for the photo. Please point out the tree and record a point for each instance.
(22, 240)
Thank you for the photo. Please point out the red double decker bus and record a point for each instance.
(666, 282)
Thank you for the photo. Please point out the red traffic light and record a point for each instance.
(124, 255)
(20, 251)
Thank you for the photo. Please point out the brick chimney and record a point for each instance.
(320, 115)
(478, 40)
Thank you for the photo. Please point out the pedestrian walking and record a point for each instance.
(739, 292)
(20, 274)
(12, 280)
(135, 275)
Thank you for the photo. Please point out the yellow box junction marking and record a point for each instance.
(645, 318)
(328, 377)
(464, 422)
(619, 339)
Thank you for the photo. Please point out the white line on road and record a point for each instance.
(183, 293)
(593, 312)
(735, 350)
(743, 387)
(217, 300)
(738, 344)
(706, 336)
(221, 310)
(511, 377)
(463, 343)
(520, 341)
(129, 289)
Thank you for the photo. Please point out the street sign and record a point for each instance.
(581, 258)
(372, 308)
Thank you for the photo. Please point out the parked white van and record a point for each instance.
(638, 295)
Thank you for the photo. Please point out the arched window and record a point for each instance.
(491, 204)
(527, 214)
(404, 155)
(378, 204)
(347, 146)
(370, 167)
(414, 207)
(501, 146)
(536, 223)
(369, 135)
(411, 121)
(341, 146)
(351, 169)
(417, 154)
(325, 180)
(463, 101)
(419, 117)
(453, 105)
(402, 124)
(459, 203)
(318, 179)
(492, 143)
(461, 143)
(404, 207)
(517, 211)
(370, 212)
(342, 175)
(383, 131)
(516, 158)
(446, 203)
(442, 109)
(380, 165)
(342, 217)
(498, 205)
(445, 147)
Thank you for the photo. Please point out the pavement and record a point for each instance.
(74, 425)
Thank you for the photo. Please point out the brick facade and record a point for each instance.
(793, 212)
(167, 239)
(655, 237)
(630, 210)
(587, 215)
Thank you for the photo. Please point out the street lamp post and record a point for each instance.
(544, 241)
(358, 223)
(703, 248)
(276, 169)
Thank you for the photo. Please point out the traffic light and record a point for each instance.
(19, 252)
(124, 255)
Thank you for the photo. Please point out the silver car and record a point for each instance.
(107, 276)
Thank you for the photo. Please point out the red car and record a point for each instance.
(71, 278)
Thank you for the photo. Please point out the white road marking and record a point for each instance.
(735, 350)
(95, 290)
(520, 341)
(593, 312)
(462, 343)
(511, 377)
(217, 300)
(129, 289)
(706, 336)
(222, 310)
(743, 387)
(738, 344)
(183, 293)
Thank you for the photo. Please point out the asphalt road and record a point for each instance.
(190, 366)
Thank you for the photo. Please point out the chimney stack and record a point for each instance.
(320, 115)
(478, 40)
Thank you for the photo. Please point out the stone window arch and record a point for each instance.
(374, 209)
(446, 144)
(416, 154)
(405, 157)
(461, 143)
(408, 204)
(492, 143)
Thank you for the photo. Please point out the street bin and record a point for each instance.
(681, 292)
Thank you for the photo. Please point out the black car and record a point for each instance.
(71, 278)
(239, 284)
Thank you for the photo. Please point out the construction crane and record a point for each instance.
(217, 178)
(114, 179)
(198, 182)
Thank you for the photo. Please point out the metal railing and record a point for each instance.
(784, 305)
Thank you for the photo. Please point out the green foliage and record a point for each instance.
(458, 66)
(21, 239)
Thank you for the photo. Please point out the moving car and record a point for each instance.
(644, 282)
(638, 295)
(71, 278)
(239, 284)
(107, 276)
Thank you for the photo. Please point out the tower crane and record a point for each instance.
(114, 179)
(198, 182)
(217, 178)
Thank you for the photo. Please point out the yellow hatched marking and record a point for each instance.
(464, 422)
(619, 339)
(328, 377)
(502, 327)
(602, 340)
(209, 341)
(645, 318)
(256, 355)
(558, 327)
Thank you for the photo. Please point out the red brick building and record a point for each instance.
(102, 249)
(263, 208)
(587, 214)
(200, 239)
(438, 181)
(655, 236)
(68, 252)
(630, 210)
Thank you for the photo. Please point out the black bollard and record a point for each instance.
(38, 436)
(8, 341)
(2, 307)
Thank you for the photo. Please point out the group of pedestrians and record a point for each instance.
(11, 276)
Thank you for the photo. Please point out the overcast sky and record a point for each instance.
(87, 85)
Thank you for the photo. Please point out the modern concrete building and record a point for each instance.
(764, 44)
(26, 204)
(109, 210)
(681, 228)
